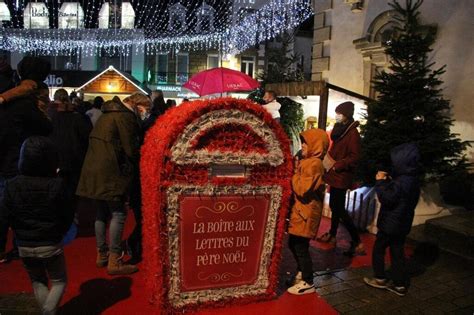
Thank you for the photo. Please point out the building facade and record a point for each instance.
(347, 49)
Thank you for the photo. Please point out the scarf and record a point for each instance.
(340, 128)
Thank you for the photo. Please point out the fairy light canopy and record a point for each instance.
(55, 26)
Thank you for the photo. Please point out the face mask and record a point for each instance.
(339, 118)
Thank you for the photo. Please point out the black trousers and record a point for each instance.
(337, 200)
(135, 239)
(299, 246)
(396, 244)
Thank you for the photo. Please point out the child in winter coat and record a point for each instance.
(37, 207)
(398, 195)
(308, 189)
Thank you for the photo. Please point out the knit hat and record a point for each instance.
(5, 68)
(346, 108)
(33, 68)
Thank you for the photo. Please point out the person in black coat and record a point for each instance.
(71, 136)
(36, 204)
(398, 194)
(19, 119)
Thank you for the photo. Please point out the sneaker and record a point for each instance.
(298, 278)
(400, 291)
(376, 283)
(302, 288)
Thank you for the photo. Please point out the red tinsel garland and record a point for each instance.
(229, 138)
(158, 173)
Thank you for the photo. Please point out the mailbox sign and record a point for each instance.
(221, 240)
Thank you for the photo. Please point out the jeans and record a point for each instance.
(118, 215)
(396, 244)
(299, 246)
(337, 199)
(42, 263)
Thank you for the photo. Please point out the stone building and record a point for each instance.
(347, 49)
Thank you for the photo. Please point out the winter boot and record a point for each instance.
(117, 267)
(102, 259)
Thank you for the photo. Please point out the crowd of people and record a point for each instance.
(54, 152)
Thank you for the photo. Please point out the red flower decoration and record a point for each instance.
(158, 172)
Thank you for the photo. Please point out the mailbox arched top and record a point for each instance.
(184, 152)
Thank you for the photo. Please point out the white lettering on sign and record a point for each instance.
(52, 80)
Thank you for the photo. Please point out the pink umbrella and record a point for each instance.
(220, 80)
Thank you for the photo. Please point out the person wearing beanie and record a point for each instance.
(20, 118)
(340, 164)
(36, 205)
(32, 71)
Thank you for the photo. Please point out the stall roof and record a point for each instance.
(112, 81)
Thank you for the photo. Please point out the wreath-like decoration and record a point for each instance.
(223, 139)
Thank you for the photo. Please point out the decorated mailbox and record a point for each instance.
(216, 187)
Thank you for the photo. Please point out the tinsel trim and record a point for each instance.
(182, 153)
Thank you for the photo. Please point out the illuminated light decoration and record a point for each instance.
(177, 18)
(71, 15)
(36, 16)
(228, 32)
(205, 14)
(4, 12)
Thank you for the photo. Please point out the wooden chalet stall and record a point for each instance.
(109, 83)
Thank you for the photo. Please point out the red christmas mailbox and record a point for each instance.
(216, 187)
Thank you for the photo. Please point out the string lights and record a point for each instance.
(231, 26)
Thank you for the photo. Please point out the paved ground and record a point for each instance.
(447, 287)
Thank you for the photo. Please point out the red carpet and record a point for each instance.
(92, 291)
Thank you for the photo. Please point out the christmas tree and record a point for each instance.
(409, 106)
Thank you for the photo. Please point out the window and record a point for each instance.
(66, 60)
(182, 66)
(212, 61)
(162, 68)
(247, 65)
(116, 58)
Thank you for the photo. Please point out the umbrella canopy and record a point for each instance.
(220, 80)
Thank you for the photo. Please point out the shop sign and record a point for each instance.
(36, 15)
(54, 81)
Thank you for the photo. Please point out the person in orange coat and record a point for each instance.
(308, 188)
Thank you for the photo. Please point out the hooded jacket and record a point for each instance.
(346, 152)
(112, 156)
(399, 196)
(35, 203)
(308, 186)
